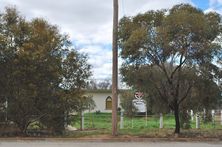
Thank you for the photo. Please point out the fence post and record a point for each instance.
(197, 121)
(6, 110)
(204, 114)
(161, 120)
(65, 120)
(121, 120)
(82, 120)
(213, 116)
(132, 122)
(191, 114)
(221, 117)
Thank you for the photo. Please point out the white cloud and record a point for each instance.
(88, 22)
(100, 58)
(215, 5)
(212, 3)
(132, 7)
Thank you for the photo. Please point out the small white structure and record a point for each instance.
(161, 120)
(103, 100)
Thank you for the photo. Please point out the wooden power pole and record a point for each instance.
(115, 68)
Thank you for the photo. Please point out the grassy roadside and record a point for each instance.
(103, 121)
(200, 134)
(100, 125)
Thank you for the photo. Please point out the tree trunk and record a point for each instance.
(177, 118)
(23, 129)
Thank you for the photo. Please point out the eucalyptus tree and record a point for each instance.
(171, 48)
(76, 73)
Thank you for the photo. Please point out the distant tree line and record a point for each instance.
(41, 76)
(104, 84)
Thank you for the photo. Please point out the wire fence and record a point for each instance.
(104, 120)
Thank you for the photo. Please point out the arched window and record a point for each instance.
(108, 103)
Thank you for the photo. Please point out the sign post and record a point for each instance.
(121, 120)
(140, 105)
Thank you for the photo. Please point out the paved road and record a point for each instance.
(105, 144)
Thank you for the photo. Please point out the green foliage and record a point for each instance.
(75, 71)
(95, 120)
(126, 102)
(206, 94)
(185, 120)
(41, 76)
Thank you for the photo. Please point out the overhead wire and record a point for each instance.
(123, 13)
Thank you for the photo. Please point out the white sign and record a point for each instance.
(139, 103)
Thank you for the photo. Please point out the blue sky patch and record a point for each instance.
(202, 4)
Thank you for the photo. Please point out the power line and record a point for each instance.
(123, 8)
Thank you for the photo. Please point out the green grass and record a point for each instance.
(99, 124)
(104, 120)
(93, 120)
(208, 125)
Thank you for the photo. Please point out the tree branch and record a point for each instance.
(162, 66)
(186, 94)
(162, 96)
(179, 66)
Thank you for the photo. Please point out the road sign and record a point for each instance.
(138, 95)
(138, 102)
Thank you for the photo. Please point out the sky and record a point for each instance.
(89, 22)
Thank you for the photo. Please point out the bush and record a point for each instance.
(185, 120)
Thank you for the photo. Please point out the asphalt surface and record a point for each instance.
(22, 143)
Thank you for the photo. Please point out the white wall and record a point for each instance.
(100, 100)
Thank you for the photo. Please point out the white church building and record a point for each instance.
(103, 100)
